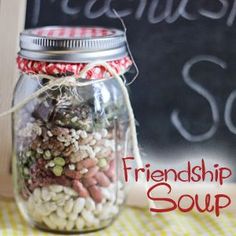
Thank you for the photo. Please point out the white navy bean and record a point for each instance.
(61, 202)
(106, 194)
(40, 208)
(50, 206)
(67, 197)
(51, 224)
(80, 223)
(98, 209)
(79, 205)
(70, 225)
(46, 196)
(90, 204)
(70, 191)
(72, 216)
(37, 195)
(69, 206)
(87, 216)
(36, 216)
(56, 188)
(60, 207)
(104, 215)
(61, 223)
(58, 196)
(61, 213)
(53, 194)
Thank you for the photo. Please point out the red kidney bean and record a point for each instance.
(102, 179)
(88, 163)
(73, 174)
(91, 172)
(62, 180)
(95, 193)
(111, 171)
(79, 166)
(88, 182)
(80, 189)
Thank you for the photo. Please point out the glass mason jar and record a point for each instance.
(69, 140)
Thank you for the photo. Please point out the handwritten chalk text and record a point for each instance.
(154, 11)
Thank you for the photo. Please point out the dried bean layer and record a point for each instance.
(66, 166)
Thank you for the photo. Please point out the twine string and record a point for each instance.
(73, 81)
(128, 49)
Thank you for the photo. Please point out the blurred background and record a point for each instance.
(184, 96)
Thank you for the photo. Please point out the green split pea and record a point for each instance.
(58, 168)
(102, 163)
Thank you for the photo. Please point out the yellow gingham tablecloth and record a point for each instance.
(133, 222)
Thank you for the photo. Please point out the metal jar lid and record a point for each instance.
(72, 44)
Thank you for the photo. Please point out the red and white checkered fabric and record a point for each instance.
(50, 68)
(72, 32)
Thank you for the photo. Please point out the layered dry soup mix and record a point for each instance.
(68, 147)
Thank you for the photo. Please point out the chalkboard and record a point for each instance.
(184, 97)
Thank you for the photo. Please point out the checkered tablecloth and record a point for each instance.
(133, 222)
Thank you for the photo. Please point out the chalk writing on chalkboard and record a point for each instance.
(228, 111)
(152, 10)
(175, 116)
(69, 10)
(203, 92)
